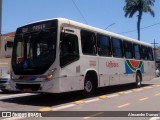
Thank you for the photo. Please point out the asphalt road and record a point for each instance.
(110, 103)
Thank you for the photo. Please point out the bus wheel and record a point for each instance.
(138, 80)
(89, 86)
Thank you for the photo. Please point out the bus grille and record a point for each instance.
(3, 81)
(33, 87)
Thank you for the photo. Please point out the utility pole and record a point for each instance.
(154, 47)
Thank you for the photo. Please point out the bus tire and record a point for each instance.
(138, 80)
(89, 86)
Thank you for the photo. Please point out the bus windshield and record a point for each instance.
(34, 52)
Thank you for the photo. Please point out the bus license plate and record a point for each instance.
(27, 90)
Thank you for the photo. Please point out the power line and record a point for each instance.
(79, 11)
(141, 28)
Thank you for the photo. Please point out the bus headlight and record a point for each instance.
(50, 75)
(13, 77)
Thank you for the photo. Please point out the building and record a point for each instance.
(6, 44)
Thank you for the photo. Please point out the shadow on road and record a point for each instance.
(48, 100)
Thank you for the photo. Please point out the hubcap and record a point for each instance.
(88, 86)
(138, 81)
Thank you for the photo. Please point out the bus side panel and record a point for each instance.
(70, 79)
(126, 77)
(88, 63)
(149, 70)
(104, 72)
(117, 71)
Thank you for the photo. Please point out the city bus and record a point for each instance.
(61, 55)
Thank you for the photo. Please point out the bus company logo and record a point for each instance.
(112, 64)
(92, 63)
(133, 65)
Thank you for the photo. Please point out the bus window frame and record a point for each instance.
(119, 48)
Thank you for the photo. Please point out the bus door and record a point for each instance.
(69, 60)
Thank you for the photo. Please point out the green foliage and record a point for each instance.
(140, 6)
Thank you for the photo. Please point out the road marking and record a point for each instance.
(92, 100)
(17, 95)
(157, 94)
(137, 90)
(156, 85)
(63, 107)
(142, 99)
(124, 105)
(148, 87)
(120, 93)
(94, 115)
(79, 102)
(112, 95)
(103, 97)
(128, 91)
(46, 109)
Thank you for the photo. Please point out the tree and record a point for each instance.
(140, 6)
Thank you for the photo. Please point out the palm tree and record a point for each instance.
(140, 6)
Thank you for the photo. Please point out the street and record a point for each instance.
(112, 99)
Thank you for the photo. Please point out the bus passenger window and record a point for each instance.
(69, 49)
(136, 51)
(128, 49)
(144, 52)
(150, 54)
(88, 41)
(117, 48)
(104, 45)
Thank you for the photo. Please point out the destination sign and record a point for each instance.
(38, 26)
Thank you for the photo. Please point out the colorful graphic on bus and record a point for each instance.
(133, 65)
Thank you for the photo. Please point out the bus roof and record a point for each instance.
(97, 30)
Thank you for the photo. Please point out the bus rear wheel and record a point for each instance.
(138, 80)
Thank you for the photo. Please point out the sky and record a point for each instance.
(97, 13)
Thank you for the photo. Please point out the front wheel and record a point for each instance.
(138, 80)
(89, 86)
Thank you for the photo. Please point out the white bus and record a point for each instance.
(61, 55)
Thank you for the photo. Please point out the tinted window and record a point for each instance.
(150, 54)
(144, 52)
(136, 51)
(128, 49)
(88, 41)
(69, 49)
(34, 49)
(104, 45)
(117, 48)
